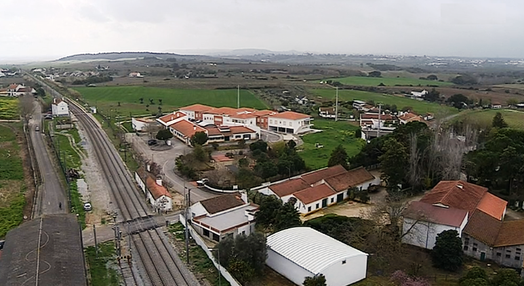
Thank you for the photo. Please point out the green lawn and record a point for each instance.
(514, 118)
(107, 99)
(418, 106)
(388, 81)
(334, 133)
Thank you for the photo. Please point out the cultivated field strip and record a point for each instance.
(160, 261)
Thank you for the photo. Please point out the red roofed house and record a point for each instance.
(156, 194)
(376, 124)
(319, 189)
(478, 217)
(184, 130)
(222, 216)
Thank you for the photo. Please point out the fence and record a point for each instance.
(222, 191)
(203, 245)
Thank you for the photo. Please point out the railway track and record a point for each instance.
(156, 256)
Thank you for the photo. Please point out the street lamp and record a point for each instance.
(218, 263)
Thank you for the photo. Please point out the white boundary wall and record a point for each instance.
(203, 245)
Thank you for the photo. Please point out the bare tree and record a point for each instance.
(152, 129)
(26, 106)
(416, 173)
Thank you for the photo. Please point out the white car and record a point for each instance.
(87, 207)
(202, 182)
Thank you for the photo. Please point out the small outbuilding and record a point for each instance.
(299, 252)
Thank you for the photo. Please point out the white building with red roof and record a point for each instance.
(449, 205)
(156, 193)
(223, 124)
(319, 189)
(59, 107)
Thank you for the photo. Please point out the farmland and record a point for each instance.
(333, 134)
(514, 118)
(12, 186)
(107, 99)
(389, 81)
(9, 108)
(420, 107)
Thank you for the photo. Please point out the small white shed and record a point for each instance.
(299, 252)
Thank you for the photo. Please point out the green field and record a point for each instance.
(102, 267)
(389, 81)
(107, 99)
(334, 133)
(12, 185)
(513, 118)
(9, 108)
(420, 107)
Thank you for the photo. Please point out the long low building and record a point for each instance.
(301, 252)
(318, 189)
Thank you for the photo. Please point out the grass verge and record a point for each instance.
(12, 215)
(333, 134)
(199, 262)
(77, 205)
(100, 270)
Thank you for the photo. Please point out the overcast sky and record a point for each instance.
(47, 29)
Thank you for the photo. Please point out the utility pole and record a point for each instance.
(187, 223)
(238, 96)
(96, 243)
(379, 117)
(336, 105)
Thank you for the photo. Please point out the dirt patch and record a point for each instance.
(97, 189)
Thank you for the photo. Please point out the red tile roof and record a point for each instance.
(440, 215)
(244, 115)
(187, 128)
(263, 112)
(316, 176)
(156, 190)
(172, 116)
(288, 187)
(483, 227)
(457, 194)
(240, 130)
(222, 203)
(313, 194)
(493, 205)
(291, 115)
(197, 107)
(349, 179)
(511, 233)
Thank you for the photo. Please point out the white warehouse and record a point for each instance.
(299, 252)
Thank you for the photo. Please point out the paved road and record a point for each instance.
(52, 193)
(166, 159)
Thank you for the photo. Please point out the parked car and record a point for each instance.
(2, 244)
(37, 128)
(202, 181)
(87, 207)
(152, 142)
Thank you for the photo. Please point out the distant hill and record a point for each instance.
(113, 56)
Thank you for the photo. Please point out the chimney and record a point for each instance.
(460, 186)
(244, 197)
(148, 167)
(159, 181)
(194, 127)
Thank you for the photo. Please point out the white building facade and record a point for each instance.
(59, 108)
(296, 258)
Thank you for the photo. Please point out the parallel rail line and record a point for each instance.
(159, 260)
